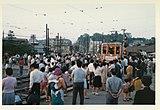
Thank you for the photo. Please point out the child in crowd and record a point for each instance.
(126, 86)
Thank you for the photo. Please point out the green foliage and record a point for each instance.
(84, 39)
(13, 47)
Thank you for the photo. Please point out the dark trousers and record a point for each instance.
(36, 89)
(111, 100)
(125, 67)
(78, 87)
(91, 75)
(21, 70)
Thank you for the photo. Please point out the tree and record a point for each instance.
(13, 47)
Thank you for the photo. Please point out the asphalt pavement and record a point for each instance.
(100, 99)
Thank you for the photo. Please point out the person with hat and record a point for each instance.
(145, 96)
(56, 88)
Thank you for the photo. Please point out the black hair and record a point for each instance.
(73, 63)
(34, 65)
(91, 61)
(50, 69)
(111, 62)
(84, 65)
(95, 65)
(104, 63)
(79, 63)
(126, 80)
(113, 72)
(42, 69)
(7, 61)
(146, 80)
(9, 71)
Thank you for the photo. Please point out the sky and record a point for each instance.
(73, 20)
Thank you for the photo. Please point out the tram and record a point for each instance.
(111, 51)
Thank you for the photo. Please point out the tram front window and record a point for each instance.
(117, 50)
(111, 50)
(104, 50)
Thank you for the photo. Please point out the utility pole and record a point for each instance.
(96, 46)
(3, 34)
(87, 44)
(46, 39)
(60, 45)
(93, 48)
(102, 37)
(57, 42)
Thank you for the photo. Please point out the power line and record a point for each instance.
(36, 13)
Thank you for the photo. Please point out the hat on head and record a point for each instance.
(57, 72)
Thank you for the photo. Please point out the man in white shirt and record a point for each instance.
(91, 72)
(78, 76)
(125, 64)
(35, 79)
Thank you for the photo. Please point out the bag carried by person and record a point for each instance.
(18, 100)
(55, 87)
(131, 88)
(33, 98)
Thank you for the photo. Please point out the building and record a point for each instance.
(146, 48)
(57, 45)
(94, 46)
(38, 46)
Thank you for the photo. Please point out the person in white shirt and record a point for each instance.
(91, 72)
(74, 66)
(111, 66)
(41, 65)
(125, 64)
(7, 65)
(73, 58)
(35, 80)
(97, 79)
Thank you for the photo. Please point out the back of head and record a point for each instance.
(111, 62)
(113, 72)
(9, 71)
(104, 63)
(42, 69)
(146, 80)
(91, 61)
(73, 63)
(33, 65)
(95, 65)
(79, 63)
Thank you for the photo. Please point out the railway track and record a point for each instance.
(23, 87)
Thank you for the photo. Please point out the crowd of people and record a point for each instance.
(55, 72)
